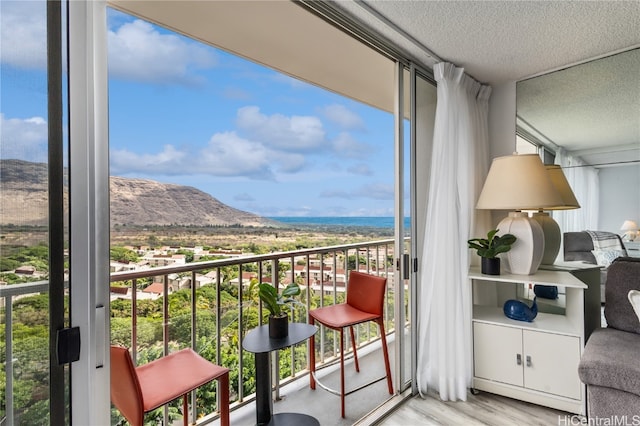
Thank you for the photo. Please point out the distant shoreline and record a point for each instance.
(387, 222)
(299, 231)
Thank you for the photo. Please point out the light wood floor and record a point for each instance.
(481, 409)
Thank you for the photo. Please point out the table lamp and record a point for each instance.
(517, 183)
(550, 228)
(630, 229)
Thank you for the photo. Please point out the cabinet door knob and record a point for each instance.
(519, 359)
(528, 360)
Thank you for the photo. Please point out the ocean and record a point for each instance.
(370, 221)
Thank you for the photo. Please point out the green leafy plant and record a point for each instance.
(275, 301)
(493, 245)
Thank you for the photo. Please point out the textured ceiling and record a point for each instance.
(498, 41)
(592, 109)
(586, 107)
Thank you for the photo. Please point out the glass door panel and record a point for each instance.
(33, 236)
(423, 118)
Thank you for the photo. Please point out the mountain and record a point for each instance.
(146, 202)
(133, 201)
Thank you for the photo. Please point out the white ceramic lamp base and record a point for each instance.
(526, 253)
(552, 237)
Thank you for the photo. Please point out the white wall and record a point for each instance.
(502, 128)
(619, 186)
(619, 197)
(502, 141)
(502, 120)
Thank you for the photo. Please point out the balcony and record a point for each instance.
(209, 306)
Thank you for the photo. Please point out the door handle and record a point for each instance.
(528, 360)
(406, 267)
(519, 359)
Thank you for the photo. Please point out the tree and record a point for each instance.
(123, 254)
(153, 241)
(351, 262)
(7, 264)
(188, 254)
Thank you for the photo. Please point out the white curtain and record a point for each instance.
(458, 170)
(584, 181)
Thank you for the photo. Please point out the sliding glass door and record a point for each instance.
(415, 116)
(34, 212)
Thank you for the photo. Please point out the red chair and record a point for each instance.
(138, 390)
(365, 302)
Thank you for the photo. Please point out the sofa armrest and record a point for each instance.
(610, 359)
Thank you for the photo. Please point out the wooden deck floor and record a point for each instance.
(481, 409)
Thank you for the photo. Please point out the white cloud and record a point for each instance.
(296, 133)
(362, 169)
(168, 161)
(237, 93)
(140, 53)
(343, 117)
(23, 139)
(230, 155)
(289, 162)
(226, 155)
(244, 197)
(23, 30)
(336, 194)
(375, 191)
(137, 51)
(345, 146)
(265, 147)
(293, 211)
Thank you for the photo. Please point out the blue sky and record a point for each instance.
(186, 113)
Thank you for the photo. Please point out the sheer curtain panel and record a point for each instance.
(584, 182)
(458, 170)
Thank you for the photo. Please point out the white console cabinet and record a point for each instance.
(531, 361)
(633, 248)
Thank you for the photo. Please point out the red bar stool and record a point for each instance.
(138, 390)
(365, 302)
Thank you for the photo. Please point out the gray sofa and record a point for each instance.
(610, 363)
(578, 246)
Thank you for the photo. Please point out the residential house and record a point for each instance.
(165, 259)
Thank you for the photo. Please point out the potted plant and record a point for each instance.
(489, 248)
(274, 302)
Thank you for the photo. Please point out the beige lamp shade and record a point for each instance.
(550, 228)
(518, 182)
(629, 225)
(559, 181)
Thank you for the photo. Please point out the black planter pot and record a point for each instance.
(278, 327)
(490, 266)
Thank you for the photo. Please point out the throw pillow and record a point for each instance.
(634, 298)
(605, 257)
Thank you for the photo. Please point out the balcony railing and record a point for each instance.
(208, 306)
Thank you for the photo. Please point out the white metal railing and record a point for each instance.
(321, 272)
(7, 295)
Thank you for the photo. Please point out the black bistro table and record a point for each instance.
(259, 342)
